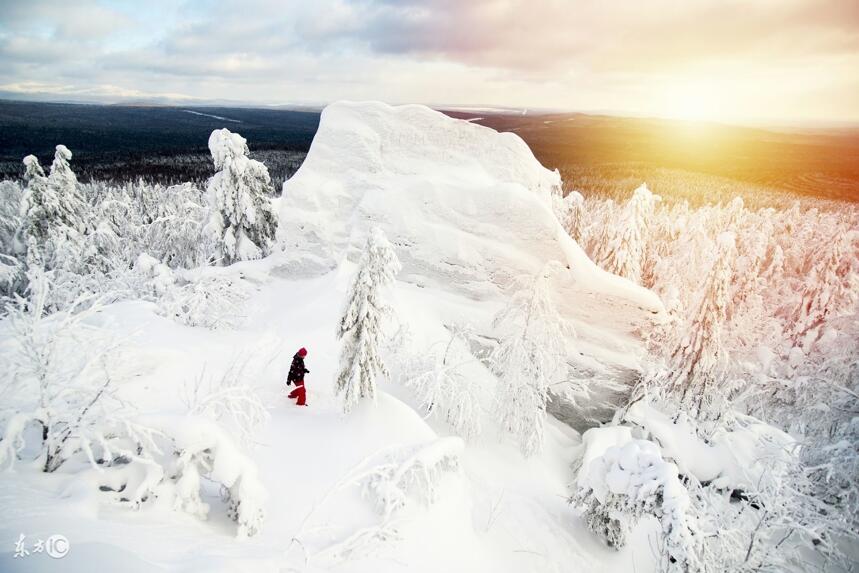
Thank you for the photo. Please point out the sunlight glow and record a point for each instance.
(693, 101)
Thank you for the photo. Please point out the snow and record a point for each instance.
(466, 209)
(745, 457)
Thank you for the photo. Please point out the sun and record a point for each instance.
(693, 101)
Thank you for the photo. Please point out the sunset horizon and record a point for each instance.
(793, 62)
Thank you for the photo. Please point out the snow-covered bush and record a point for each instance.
(58, 381)
(229, 400)
(209, 301)
(751, 498)
(626, 482)
(239, 196)
(828, 292)
(394, 481)
(570, 211)
(204, 450)
(530, 357)
(412, 474)
(177, 233)
(362, 324)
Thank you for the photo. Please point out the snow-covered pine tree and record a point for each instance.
(11, 248)
(64, 184)
(826, 292)
(11, 195)
(531, 356)
(361, 326)
(624, 255)
(572, 216)
(239, 194)
(52, 228)
(39, 207)
(697, 364)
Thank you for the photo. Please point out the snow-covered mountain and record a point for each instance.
(467, 209)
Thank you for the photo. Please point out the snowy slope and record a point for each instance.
(467, 209)
(499, 513)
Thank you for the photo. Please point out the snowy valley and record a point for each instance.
(502, 377)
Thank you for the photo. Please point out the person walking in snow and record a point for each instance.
(296, 375)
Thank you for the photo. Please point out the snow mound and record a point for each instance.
(467, 208)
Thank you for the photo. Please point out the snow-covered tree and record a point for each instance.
(11, 247)
(624, 254)
(361, 326)
(11, 196)
(628, 482)
(696, 379)
(176, 234)
(54, 215)
(827, 291)
(571, 212)
(444, 391)
(64, 184)
(239, 194)
(530, 357)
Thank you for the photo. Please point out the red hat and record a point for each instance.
(302, 352)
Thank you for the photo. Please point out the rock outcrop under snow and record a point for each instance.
(463, 204)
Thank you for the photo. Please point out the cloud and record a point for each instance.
(555, 53)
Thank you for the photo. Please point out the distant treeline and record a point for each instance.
(159, 144)
(598, 155)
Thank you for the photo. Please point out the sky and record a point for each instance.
(751, 61)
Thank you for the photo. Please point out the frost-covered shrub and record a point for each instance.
(361, 326)
(229, 400)
(204, 450)
(751, 498)
(177, 232)
(626, 482)
(208, 301)
(412, 474)
(58, 381)
(239, 196)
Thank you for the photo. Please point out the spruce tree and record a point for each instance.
(243, 220)
(53, 215)
(624, 255)
(696, 379)
(361, 326)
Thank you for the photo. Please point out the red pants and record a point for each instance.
(300, 393)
